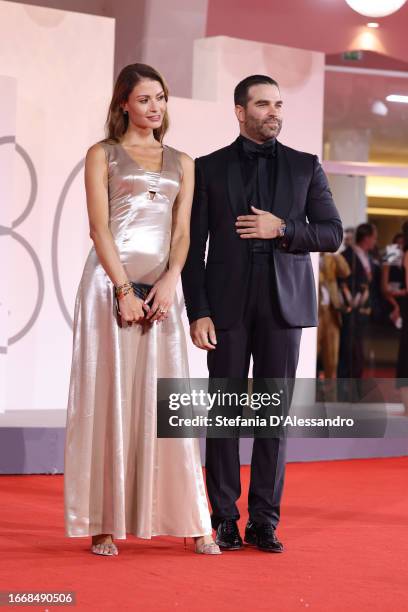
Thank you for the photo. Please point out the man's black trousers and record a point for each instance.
(274, 347)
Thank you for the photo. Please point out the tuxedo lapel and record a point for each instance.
(236, 189)
(283, 200)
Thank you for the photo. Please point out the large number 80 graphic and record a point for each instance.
(10, 231)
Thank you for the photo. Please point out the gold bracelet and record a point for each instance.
(120, 288)
(127, 284)
(123, 292)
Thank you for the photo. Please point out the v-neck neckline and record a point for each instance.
(138, 165)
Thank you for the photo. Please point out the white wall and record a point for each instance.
(169, 31)
(62, 63)
(8, 97)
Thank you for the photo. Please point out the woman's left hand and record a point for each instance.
(163, 292)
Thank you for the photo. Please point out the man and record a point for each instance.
(257, 289)
(360, 287)
(348, 238)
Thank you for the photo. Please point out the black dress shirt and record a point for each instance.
(259, 169)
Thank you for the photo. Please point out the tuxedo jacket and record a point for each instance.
(216, 287)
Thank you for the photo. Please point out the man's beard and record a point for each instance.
(263, 130)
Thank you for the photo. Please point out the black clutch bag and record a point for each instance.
(141, 290)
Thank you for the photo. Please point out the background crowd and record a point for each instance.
(362, 286)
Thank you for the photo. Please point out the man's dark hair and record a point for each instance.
(363, 231)
(241, 90)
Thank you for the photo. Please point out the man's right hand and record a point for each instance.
(202, 333)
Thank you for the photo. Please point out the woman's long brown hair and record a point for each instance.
(117, 121)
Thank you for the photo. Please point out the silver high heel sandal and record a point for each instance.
(107, 549)
(206, 548)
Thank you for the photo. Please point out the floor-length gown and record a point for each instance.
(119, 477)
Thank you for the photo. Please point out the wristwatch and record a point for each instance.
(282, 228)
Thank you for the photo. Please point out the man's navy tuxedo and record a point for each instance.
(302, 197)
(258, 302)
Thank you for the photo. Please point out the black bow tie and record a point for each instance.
(254, 150)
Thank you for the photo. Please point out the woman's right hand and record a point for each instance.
(132, 309)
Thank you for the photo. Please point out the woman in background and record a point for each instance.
(402, 363)
(119, 477)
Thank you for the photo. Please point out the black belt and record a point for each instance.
(260, 257)
(263, 254)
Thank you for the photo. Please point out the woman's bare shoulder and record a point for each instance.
(183, 157)
(186, 161)
(99, 151)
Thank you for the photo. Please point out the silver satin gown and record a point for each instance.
(119, 477)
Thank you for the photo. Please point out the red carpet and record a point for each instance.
(344, 525)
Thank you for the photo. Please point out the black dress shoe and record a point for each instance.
(228, 537)
(250, 533)
(262, 535)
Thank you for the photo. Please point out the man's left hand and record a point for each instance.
(262, 224)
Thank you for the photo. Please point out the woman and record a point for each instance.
(332, 268)
(119, 478)
(402, 363)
